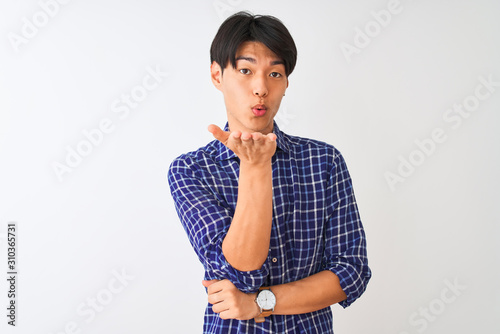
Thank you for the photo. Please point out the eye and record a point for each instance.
(244, 71)
(275, 75)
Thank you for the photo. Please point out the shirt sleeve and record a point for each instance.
(345, 249)
(206, 219)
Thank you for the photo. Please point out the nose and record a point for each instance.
(260, 86)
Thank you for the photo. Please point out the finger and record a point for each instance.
(234, 140)
(257, 136)
(271, 136)
(226, 314)
(206, 283)
(236, 134)
(215, 298)
(245, 136)
(215, 287)
(218, 133)
(220, 307)
(220, 285)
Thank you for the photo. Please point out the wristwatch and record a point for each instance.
(266, 300)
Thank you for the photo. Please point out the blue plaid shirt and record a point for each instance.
(316, 225)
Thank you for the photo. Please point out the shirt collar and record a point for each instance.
(223, 153)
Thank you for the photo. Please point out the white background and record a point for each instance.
(113, 211)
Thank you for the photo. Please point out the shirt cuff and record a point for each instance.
(245, 281)
(351, 282)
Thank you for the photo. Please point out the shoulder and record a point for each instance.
(198, 159)
(307, 147)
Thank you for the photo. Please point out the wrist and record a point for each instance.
(262, 165)
(254, 309)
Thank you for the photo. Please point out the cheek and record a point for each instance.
(279, 90)
(276, 111)
(278, 97)
(234, 94)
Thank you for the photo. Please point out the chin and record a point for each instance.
(261, 126)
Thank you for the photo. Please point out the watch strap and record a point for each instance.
(262, 317)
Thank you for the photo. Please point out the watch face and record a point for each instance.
(266, 300)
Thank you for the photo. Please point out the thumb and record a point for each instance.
(218, 133)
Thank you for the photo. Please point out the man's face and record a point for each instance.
(254, 89)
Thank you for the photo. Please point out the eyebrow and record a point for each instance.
(253, 61)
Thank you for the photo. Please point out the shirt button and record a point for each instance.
(275, 260)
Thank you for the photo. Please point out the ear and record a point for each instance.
(216, 75)
(287, 82)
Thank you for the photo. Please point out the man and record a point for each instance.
(272, 217)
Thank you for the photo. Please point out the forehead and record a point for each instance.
(255, 50)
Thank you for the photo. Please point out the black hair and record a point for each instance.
(245, 27)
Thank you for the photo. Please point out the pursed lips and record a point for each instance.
(259, 110)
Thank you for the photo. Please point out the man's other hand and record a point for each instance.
(229, 302)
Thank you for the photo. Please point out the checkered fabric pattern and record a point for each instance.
(315, 227)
